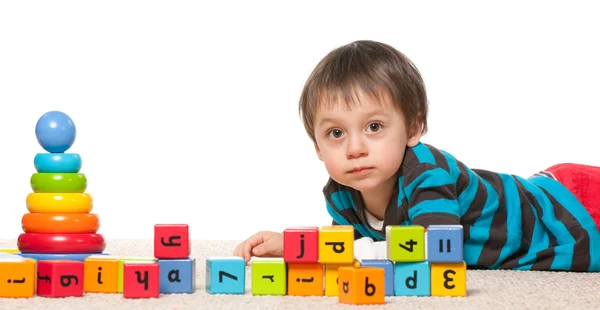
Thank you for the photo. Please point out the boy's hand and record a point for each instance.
(262, 244)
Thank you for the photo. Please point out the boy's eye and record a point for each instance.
(374, 127)
(335, 133)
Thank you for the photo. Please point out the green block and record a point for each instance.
(269, 276)
(129, 259)
(405, 243)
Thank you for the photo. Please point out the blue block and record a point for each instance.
(388, 271)
(177, 275)
(445, 243)
(225, 275)
(412, 279)
(80, 257)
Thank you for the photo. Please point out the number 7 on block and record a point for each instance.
(405, 243)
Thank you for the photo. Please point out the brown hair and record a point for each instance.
(364, 67)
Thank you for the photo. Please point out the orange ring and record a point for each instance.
(64, 223)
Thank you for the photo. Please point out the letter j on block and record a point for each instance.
(171, 241)
(336, 244)
(445, 243)
(301, 245)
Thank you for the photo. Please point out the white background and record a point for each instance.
(186, 112)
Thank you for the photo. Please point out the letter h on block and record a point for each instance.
(171, 241)
(141, 279)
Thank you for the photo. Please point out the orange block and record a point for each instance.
(17, 276)
(101, 274)
(305, 279)
(361, 285)
(331, 277)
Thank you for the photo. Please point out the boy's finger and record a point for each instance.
(252, 242)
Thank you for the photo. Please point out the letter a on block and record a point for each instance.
(171, 241)
(361, 286)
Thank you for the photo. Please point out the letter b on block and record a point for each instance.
(405, 243)
(336, 244)
(445, 243)
(361, 286)
(171, 241)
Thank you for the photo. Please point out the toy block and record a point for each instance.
(177, 275)
(336, 244)
(405, 243)
(141, 279)
(388, 269)
(269, 276)
(412, 279)
(445, 243)
(17, 276)
(122, 260)
(60, 278)
(225, 275)
(449, 279)
(361, 286)
(331, 277)
(9, 250)
(101, 274)
(172, 241)
(305, 279)
(301, 245)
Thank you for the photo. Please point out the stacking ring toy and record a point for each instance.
(58, 182)
(57, 162)
(59, 203)
(76, 257)
(66, 223)
(60, 243)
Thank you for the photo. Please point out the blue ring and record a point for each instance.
(57, 162)
(42, 256)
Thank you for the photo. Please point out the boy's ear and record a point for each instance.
(415, 132)
(318, 151)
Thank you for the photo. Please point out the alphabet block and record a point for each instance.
(361, 286)
(445, 243)
(141, 279)
(177, 275)
(449, 279)
(269, 276)
(405, 243)
(331, 277)
(305, 279)
(120, 276)
(336, 244)
(171, 241)
(301, 245)
(225, 275)
(388, 269)
(101, 274)
(17, 276)
(59, 278)
(412, 279)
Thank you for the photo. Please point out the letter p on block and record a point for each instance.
(171, 241)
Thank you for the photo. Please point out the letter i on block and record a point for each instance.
(17, 276)
(141, 279)
(269, 276)
(171, 241)
(225, 275)
(305, 279)
(60, 278)
(405, 243)
(336, 244)
(445, 243)
(301, 245)
(101, 274)
(361, 286)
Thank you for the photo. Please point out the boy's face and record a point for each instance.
(363, 146)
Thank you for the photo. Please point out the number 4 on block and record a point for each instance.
(405, 243)
(225, 275)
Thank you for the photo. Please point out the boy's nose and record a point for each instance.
(356, 148)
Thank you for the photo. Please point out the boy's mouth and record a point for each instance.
(358, 170)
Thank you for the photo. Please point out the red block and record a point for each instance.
(59, 278)
(141, 279)
(171, 241)
(301, 245)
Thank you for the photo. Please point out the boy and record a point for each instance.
(364, 106)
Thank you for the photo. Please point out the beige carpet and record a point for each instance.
(486, 290)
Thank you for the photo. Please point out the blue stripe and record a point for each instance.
(362, 229)
(442, 205)
(429, 178)
(423, 154)
(513, 218)
(483, 224)
(466, 197)
(343, 200)
(452, 166)
(401, 194)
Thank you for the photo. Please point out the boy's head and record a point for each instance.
(362, 105)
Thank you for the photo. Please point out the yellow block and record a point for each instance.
(17, 276)
(449, 279)
(331, 277)
(336, 244)
(101, 274)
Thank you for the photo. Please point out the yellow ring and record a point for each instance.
(59, 203)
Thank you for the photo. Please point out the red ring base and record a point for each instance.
(60, 243)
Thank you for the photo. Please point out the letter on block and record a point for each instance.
(331, 277)
(269, 276)
(449, 279)
(100, 274)
(171, 241)
(225, 275)
(17, 276)
(405, 243)
(445, 243)
(59, 278)
(336, 244)
(120, 276)
(412, 279)
(361, 286)
(305, 279)
(141, 279)
(388, 269)
(301, 245)
(177, 275)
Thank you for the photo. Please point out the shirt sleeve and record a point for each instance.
(431, 195)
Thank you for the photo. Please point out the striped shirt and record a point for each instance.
(509, 222)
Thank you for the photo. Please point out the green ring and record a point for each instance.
(58, 182)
